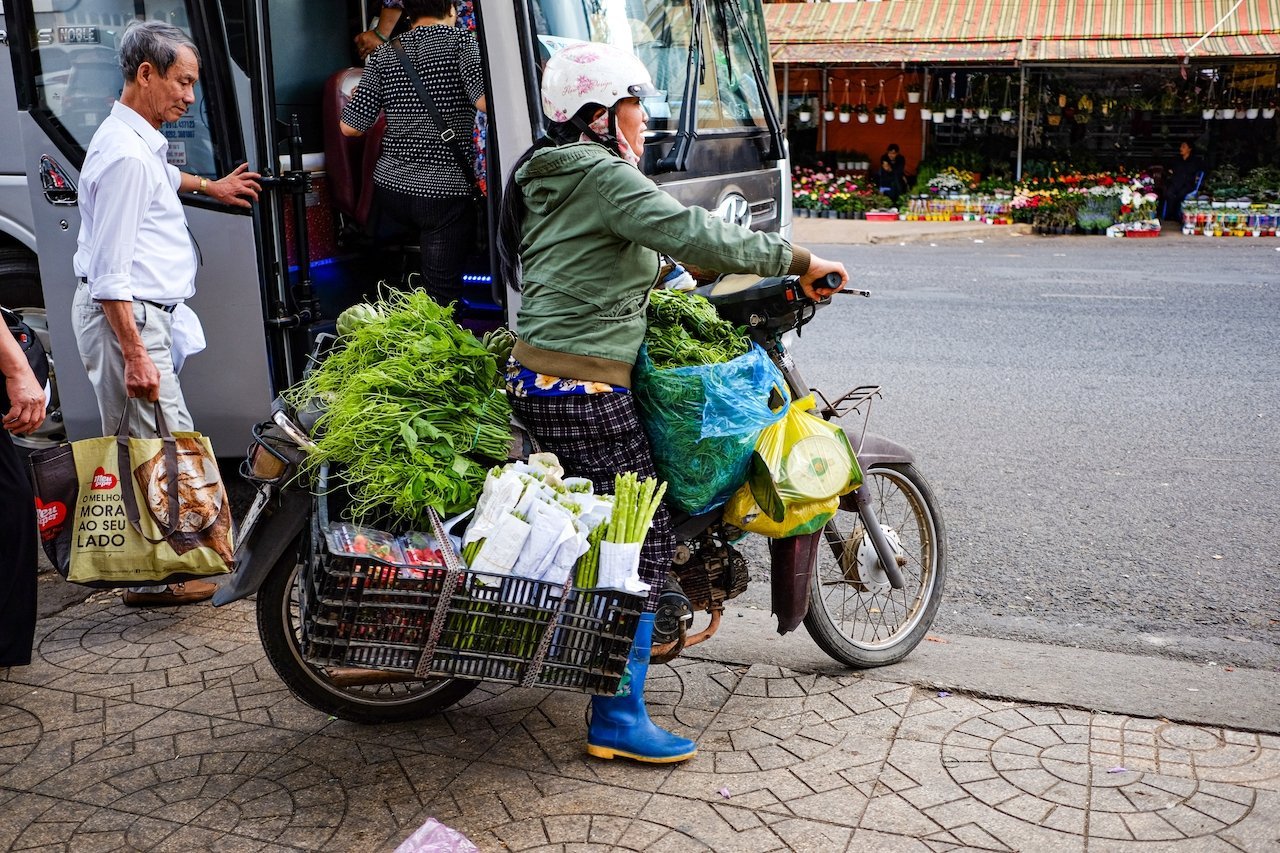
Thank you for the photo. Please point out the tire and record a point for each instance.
(854, 615)
(381, 703)
(19, 279)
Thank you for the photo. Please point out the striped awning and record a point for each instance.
(1042, 30)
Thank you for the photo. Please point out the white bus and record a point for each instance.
(716, 140)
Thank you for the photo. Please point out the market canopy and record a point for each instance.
(1019, 30)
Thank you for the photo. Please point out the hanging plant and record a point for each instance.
(913, 92)
(829, 111)
(899, 105)
(805, 113)
(845, 107)
(1006, 112)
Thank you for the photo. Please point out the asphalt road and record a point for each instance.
(1099, 421)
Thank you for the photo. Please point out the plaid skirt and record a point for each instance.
(597, 436)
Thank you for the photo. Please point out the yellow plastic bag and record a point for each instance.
(743, 512)
(801, 459)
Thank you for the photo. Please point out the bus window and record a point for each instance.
(77, 74)
(660, 32)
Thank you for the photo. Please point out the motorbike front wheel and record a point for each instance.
(854, 615)
(280, 628)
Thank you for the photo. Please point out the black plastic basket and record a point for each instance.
(363, 612)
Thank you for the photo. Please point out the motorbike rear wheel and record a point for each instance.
(854, 615)
(280, 628)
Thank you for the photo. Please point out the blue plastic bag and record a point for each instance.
(703, 423)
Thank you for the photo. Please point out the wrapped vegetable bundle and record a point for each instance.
(704, 393)
(413, 410)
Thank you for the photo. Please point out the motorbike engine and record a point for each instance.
(710, 570)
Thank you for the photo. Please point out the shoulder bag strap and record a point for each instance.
(126, 473)
(447, 136)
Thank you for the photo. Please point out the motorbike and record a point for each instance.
(866, 587)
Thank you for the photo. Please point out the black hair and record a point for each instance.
(511, 216)
(893, 146)
(415, 9)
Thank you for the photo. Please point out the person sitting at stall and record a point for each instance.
(894, 155)
(582, 229)
(888, 181)
(1186, 179)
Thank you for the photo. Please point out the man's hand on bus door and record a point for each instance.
(818, 268)
(240, 188)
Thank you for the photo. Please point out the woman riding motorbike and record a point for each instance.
(582, 229)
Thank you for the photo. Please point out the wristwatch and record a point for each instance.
(204, 185)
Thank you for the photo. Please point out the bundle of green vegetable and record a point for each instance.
(684, 329)
(414, 413)
(703, 391)
(634, 503)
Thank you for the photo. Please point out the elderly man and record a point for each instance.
(135, 261)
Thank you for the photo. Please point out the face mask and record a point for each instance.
(601, 128)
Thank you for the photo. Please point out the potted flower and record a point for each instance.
(845, 109)
(913, 93)
(882, 113)
(1269, 111)
(984, 112)
(863, 114)
(829, 111)
(966, 113)
(949, 110)
(1006, 114)
(1054, 115)
(939, 113)
(926, 112)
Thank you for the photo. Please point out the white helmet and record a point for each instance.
(592, 73)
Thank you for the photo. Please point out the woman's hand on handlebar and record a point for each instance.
(818, 283)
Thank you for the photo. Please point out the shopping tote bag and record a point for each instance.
(122, 511)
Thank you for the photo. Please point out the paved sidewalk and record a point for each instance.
(167, 730)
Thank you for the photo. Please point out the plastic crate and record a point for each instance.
(369, 613)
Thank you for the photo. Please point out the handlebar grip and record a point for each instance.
(831, 280)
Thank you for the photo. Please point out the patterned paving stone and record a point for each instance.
(168, 731)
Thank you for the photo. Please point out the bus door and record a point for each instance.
(67, 76)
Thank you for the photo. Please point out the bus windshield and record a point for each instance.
(661, 33)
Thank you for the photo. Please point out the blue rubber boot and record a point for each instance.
(620, 725)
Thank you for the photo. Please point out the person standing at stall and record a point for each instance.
(22, 408)
(135, 258)
(582, 229)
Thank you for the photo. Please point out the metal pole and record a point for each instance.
(822, 142)
(1022, 100)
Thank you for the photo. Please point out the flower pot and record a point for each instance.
(925, 114)
(1207, 115)
(1229, 112)
(1006, 115)
(829, 115)
(1268, 112)
(899, 113)
(805, 115)
(830, 214)
(1252, 112)
(950, 112)
(984, 113)
(881, 118)
(966, 114)
(913, 97)
(844, 118)
(1242, 114)
(939, 118)
(863, 118)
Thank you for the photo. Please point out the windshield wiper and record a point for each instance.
(775, 149)
(677, 158)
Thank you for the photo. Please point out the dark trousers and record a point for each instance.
(598, 436)
(18, 544)
(446, 232)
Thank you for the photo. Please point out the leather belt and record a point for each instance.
(168, 309)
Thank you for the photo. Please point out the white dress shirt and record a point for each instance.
(133, 241)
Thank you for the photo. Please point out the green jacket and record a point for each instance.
(589, 255)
